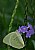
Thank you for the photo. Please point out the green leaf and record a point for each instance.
(33, 43)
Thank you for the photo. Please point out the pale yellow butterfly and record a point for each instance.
(14, 39)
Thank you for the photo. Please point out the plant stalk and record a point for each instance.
(12, 18)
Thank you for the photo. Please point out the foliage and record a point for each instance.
(25, 8)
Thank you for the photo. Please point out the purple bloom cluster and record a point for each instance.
(27, 29)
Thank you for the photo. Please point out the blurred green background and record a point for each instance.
(6, 11)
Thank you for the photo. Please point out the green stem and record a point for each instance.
(8, 47)
(14, 12)
(26, 13)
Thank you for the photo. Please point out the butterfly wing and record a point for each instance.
(6, 38)
(14, 39)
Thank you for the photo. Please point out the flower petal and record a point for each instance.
(28, 35)
(29, 26)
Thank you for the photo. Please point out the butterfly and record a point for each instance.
(14, 39)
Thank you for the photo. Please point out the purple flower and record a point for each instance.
(29, 26)
(22, 29)
(30, 31)
(19, 30)
(26, 29)
(28, 35)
